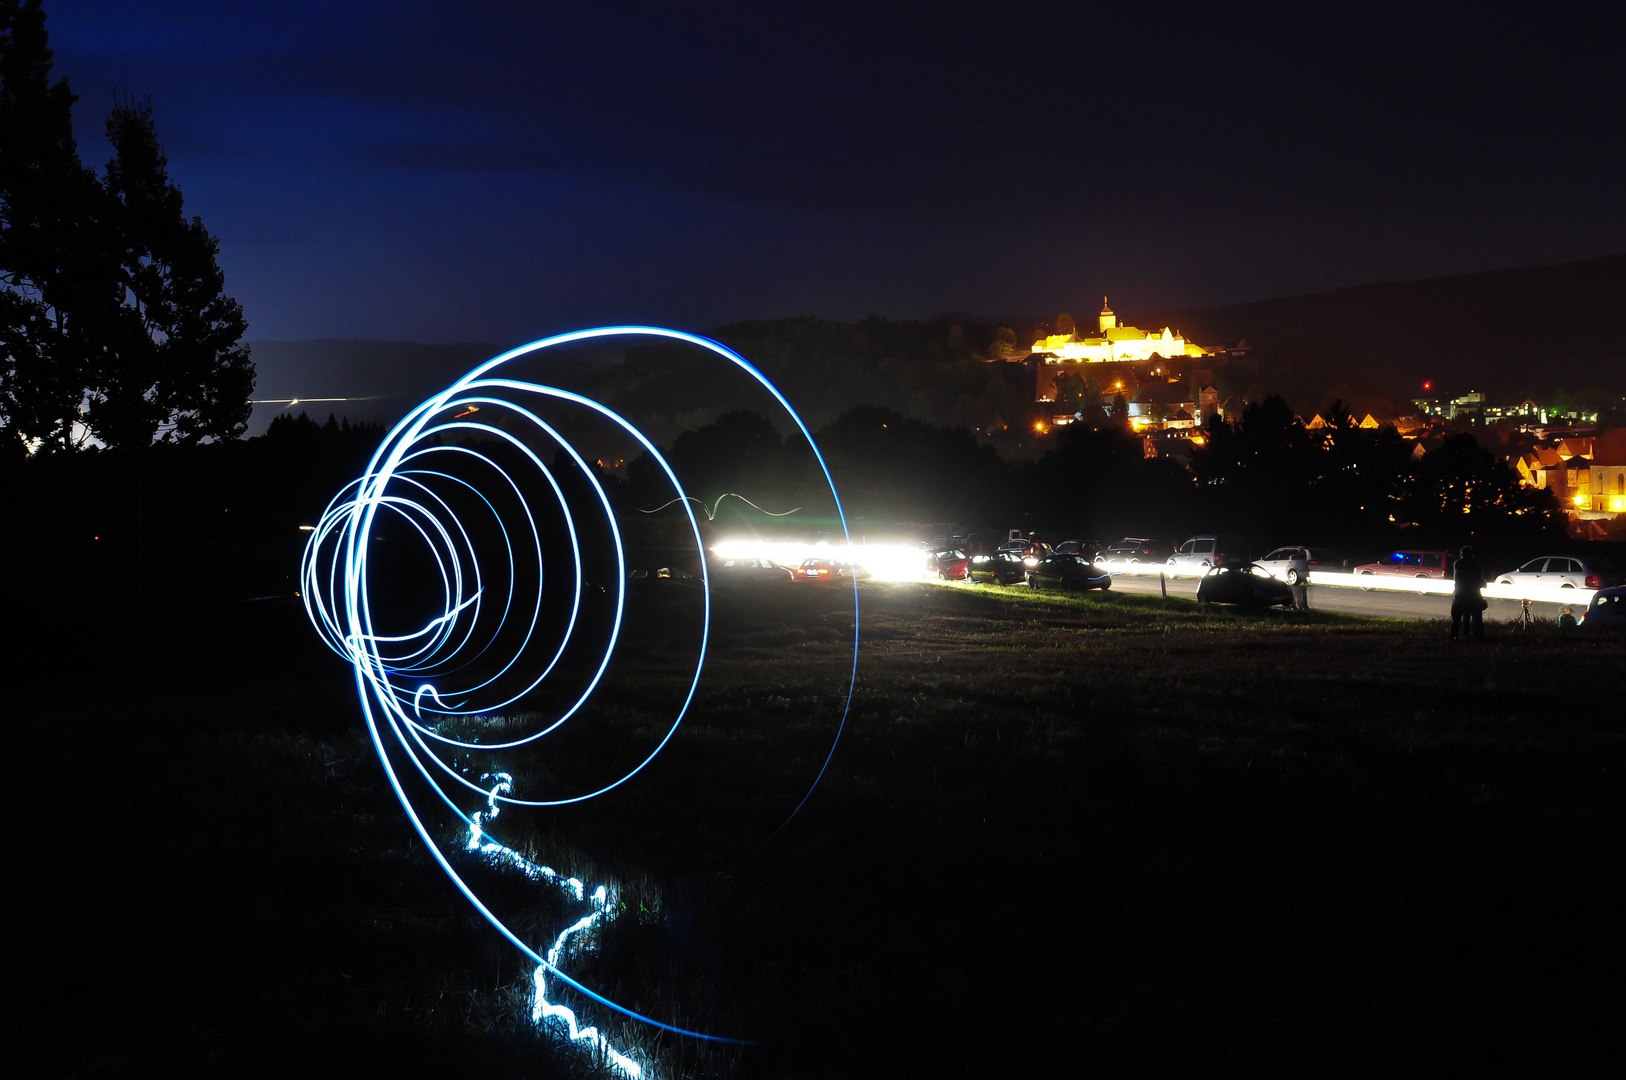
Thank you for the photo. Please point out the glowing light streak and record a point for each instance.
(711, 514)
(884, 562)
(401, 677)
(1546, 594)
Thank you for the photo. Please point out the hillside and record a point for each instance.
(1534, 330)
(381, 379)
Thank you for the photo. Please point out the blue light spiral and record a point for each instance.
(489, 614)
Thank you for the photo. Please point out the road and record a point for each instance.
(1391, 605)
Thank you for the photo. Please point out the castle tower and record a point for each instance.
(1108, 319)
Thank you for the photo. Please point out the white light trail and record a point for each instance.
(884, 562)
(410, 684)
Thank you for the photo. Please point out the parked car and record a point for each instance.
(950, 565)
(1068, 572)
(982, 541)
(1294, 564)
(1243, 583)
(1087, 548)
(828, 570)
(1565, 572)
(1608, 608)
(1196, 555)
(748, 572)
(999, 568)
(1134, 551)
(644, 577)
(1411, 564)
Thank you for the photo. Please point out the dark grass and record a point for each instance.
(1103, 833)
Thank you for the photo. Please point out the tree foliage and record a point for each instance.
(114, 323)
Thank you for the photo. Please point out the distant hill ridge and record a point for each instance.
(1525, 331)
(1511, 333)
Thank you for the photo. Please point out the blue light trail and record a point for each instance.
(408, 682)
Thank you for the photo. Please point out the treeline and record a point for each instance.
(936, 370)
(1261, 473)
(175, 527)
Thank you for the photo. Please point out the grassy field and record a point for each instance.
(1102, 833)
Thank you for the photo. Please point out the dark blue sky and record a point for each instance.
(494, 171)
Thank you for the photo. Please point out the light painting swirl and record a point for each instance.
(452, 477)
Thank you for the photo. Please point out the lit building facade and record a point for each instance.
(1116, 343)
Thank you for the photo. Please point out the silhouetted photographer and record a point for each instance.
(1467, 596)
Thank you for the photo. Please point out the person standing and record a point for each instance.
(1467, 596)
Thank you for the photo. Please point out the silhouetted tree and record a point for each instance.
(176, 368)
(113, 319)
(59, 279)
(1461, 486)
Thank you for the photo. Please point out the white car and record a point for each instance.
(1564, 572)
(1293, 564)
(1194, 557)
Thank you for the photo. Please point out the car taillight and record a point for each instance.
(1592, 581)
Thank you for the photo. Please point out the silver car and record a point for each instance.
(1293, 564)
(1565, 572)
(1194, 557)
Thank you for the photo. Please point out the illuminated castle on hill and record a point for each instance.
(1116, 343)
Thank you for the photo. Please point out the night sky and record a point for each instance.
(491, 172)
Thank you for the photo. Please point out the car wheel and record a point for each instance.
(942, 575)
(1567, 585)
(1505, 581)
(1292, 576)
(1107, 584)
(1366, 573)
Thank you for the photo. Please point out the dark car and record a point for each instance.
(982, 542)
(1000, 568)
(1028, 549)
(1608, 609)
(1134, 551)
(664, 576)
(1243, 583)
(747, 572)
(1068, 572)
(1087, 548)
(950, 564)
